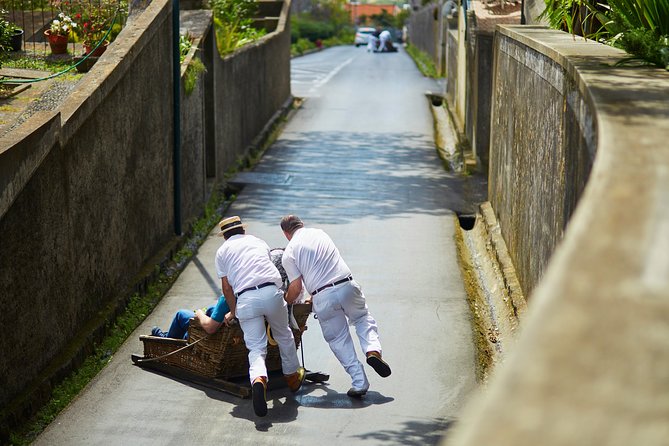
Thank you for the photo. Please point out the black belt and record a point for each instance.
(330, 285)
(257, 287)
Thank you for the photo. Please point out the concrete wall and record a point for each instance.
(590, 364)
(194, 184)
(246, 107)
(480, 95)
(424, 30)
(451, 64)
(543, 136)
(466, 43)
(461, 70)
(96, 207)
(87, 198)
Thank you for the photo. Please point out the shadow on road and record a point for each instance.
(418, 433)
(366, 174)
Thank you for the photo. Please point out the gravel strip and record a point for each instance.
(50, 99)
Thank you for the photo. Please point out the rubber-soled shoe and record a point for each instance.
(356, 393)
(259, 389)
(379, 365)
(156, 331)
(295, 380)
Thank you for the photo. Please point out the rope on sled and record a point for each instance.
(172, 352)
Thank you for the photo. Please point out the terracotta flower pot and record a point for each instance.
(97, 52)
(57, 42)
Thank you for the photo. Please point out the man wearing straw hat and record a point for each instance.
(313, 261)
(251, 286)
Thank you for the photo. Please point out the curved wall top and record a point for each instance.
(591, 365)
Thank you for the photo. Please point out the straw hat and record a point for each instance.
(230, 223)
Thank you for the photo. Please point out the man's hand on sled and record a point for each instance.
(228, 319)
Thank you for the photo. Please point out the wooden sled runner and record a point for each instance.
(220, 360)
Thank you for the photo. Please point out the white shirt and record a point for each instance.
(246, 262)
(311, 254)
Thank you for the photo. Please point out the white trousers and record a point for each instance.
(336, 308)
(253, 307)
(372, 43)
(383, 41)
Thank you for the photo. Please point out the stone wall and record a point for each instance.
(451, 64)
(579, 167)
(423, 26)
(543, 136)
(88, 190)
(250, 89)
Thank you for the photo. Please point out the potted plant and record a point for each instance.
(16, 37)
(11, 35)
(96, 23)
(58, 33)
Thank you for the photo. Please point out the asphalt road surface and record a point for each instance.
(357, 160)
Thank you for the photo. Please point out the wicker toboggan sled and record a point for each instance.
(220, 360)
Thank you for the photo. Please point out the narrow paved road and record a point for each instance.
(358, 160)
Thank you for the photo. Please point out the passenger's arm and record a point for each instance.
(294, 290)
(208, 324)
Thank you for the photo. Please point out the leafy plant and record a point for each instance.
(185, 44)
(640, 27)
(6, 31)
(301, 46)
(195, 68)
(327, 19)
(96, 21)
(95, 18)
(306, 27)
(234, 24)
(423, 61)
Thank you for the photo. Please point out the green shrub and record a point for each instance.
(234, 24)
(640, 27)
(7, 29)
(185, 44)
(195, 68)
(301, 46)
(325, 20)
(423, 61)
(308, 28)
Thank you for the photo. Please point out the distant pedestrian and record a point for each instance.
(251, 286)
(384, 40)
(373, 42)
(312, 260)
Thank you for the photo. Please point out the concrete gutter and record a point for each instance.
(496, 300)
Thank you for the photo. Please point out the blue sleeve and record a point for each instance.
(220, 310)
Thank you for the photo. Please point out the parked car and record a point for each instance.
(362, 35)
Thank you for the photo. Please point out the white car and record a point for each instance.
(362, 35)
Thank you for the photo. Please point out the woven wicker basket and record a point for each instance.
(221, 355)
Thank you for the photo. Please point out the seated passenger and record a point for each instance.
(179, 326)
